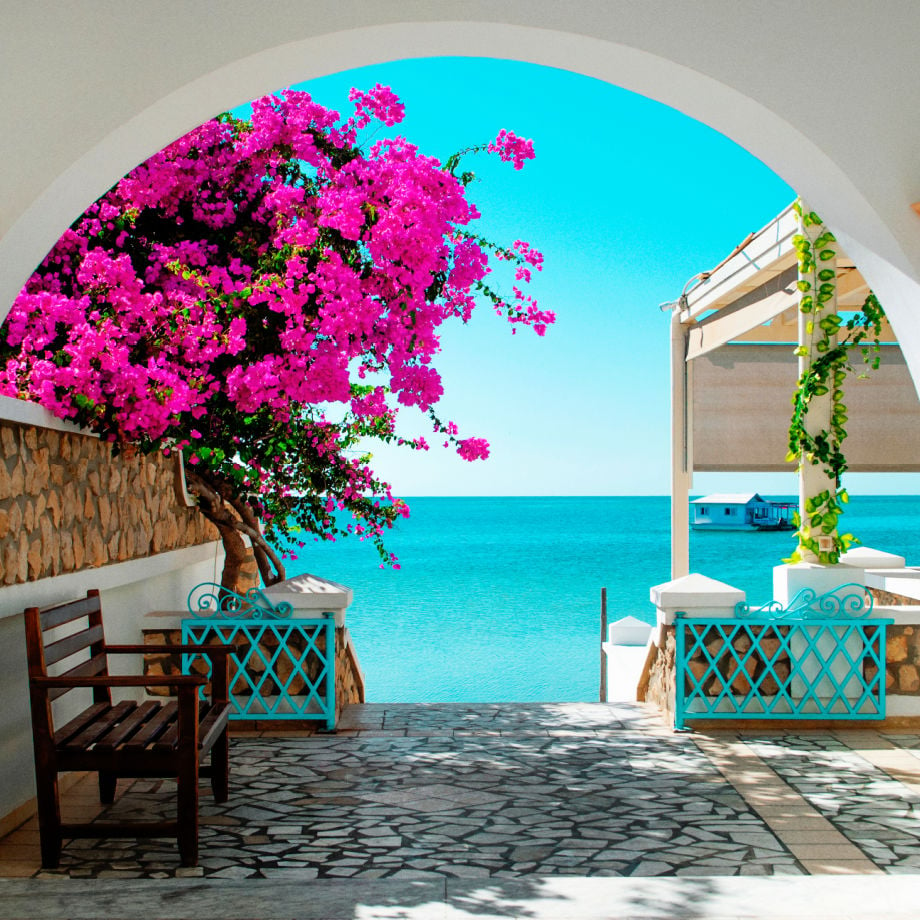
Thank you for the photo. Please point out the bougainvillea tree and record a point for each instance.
(263, 295)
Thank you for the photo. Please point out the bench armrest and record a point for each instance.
(120, 680)
(220, 662)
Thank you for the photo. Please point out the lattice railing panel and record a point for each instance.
(779, 668)
(282, 669)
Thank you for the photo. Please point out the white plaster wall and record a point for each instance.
(824, 94)
(128, 590)
(89, 89)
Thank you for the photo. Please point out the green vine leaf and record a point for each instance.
(830, 344)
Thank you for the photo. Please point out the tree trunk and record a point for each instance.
(233, 519)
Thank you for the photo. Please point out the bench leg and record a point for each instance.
(49, 818)
(187, 816)
(188, 813)
(220, 767)
(107, 783)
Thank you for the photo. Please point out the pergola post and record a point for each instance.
(681, 450)
(813, 479)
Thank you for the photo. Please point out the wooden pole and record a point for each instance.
(681, 448)
(603, 693)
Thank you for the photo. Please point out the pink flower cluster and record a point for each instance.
(510, 147)
(473, 449)
(261, 267)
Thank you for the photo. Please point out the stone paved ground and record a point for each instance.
(512, 791)
(871, 808)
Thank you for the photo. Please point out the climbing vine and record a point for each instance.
(828, 345)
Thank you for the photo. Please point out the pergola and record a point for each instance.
(733, 373)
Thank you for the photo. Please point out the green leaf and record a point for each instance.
(826, 274)
(803, 286)
(826, 254)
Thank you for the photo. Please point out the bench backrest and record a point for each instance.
(43, 651)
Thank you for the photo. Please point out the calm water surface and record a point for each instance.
(498, 599)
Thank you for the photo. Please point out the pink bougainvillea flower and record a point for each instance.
(239, 289)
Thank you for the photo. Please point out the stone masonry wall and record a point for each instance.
(661, 673)
(67, 504)
(902, 651)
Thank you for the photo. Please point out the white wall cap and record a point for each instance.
(310, 592)
(629, 631)
(695, 590)
(897, 581)
(903, 615)
(867, 558)
(28, 413)
(788, 580)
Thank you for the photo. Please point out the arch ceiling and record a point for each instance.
(826, 99)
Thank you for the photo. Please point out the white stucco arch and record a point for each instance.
(91, 89)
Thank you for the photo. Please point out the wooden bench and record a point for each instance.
(125, 739)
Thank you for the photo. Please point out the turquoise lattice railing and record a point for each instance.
(821, 657)
(283, 668)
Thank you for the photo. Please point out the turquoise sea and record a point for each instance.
(498, 599)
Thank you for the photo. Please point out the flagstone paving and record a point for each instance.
(453, 791)
(872, 809)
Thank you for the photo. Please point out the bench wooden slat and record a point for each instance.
(95, 665)
(170, 737)
(100, 725)
(66, 613)
(154, 728)
(213, 724)
(77, 724)
(128, 726)
(70, 645)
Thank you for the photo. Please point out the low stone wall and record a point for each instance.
(902, 652)
(349, 682)
(903, 661)
(902, 664)
(67, 504)
(658, 681)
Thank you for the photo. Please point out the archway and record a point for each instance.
(68, 149)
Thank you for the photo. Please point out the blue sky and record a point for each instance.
(627, 199)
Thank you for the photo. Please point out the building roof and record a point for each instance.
(728, 498)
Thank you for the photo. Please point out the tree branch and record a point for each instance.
(215, 500)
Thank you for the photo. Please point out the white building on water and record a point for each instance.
(744, 511)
